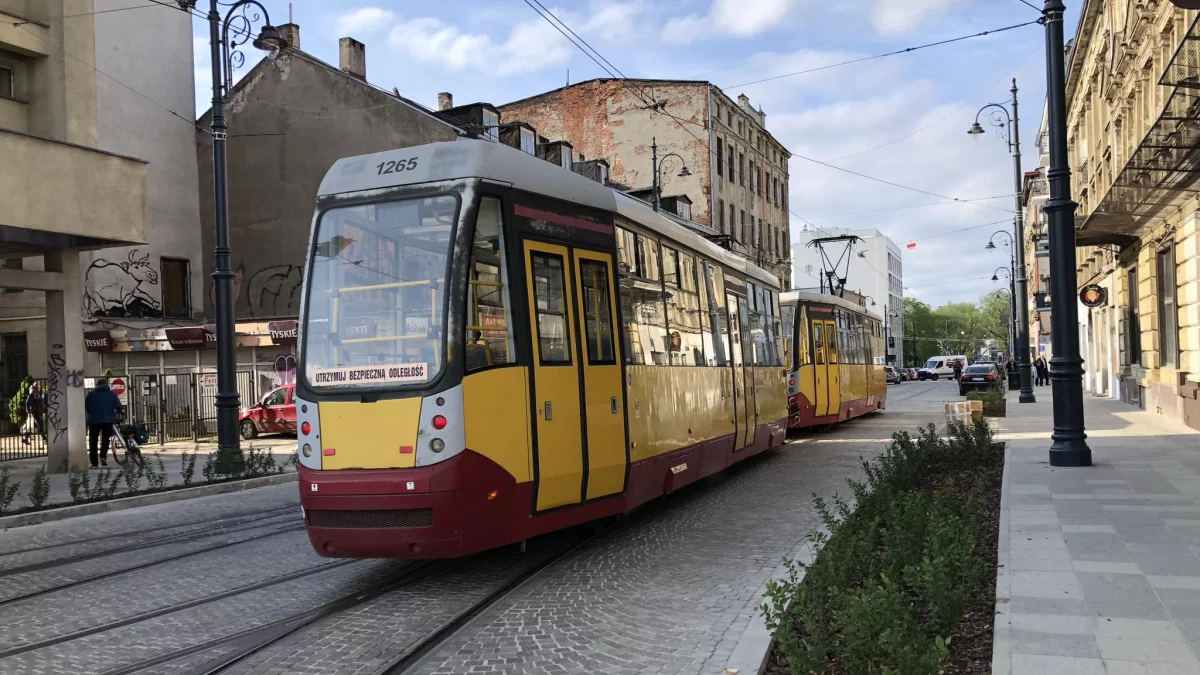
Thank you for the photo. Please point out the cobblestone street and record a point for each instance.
(183, 587)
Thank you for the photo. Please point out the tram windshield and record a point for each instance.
(376, 285)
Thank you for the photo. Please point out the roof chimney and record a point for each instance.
(352, 57)
(291, 33)
(744, 100)
(445, 100)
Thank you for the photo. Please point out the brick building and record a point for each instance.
(738, 182)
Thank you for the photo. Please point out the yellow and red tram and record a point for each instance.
(493, 347)
(835, 359)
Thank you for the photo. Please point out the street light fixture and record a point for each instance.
(1008, 128)
(1068, 440)
(225, 35)
(656, 166)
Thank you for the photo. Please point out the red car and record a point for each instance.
(274, 414)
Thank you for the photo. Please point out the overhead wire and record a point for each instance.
(902, 208)
(885, 55)
(18, 24)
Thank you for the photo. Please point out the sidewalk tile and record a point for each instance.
(1036, 664)
(1094, 529)
(1137, 628)
(1029, 642)
(1146, 651)
(1060, 624)
(1136, 668)
(1174, 582)
(1046, 590)
(1025, 605)
(1106, 567)
(1045, 565)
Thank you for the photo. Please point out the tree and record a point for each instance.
(955, 327)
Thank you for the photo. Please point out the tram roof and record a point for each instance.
(473, 158)
(825, 299)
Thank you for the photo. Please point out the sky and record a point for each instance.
(900, 119)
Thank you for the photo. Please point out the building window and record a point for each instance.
(491, 125)
(684, 209)
(732, 222)
(729, 151)
(566, 158)
(721, 214)
(175, 295)
(742, 169)
(6, 82)
(1135, 326)
(720, 154)
(729, 118)
(742, 227)
(1168, 320)
(527, 140)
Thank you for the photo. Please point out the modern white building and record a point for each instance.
(875, 271)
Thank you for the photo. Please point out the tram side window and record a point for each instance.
(550, 303)
(758, 335)
(775, 346)
(683, 309)
(489, 328)
(597, 312)
(803, 354)
(787, 336)
(818, 334)
(832, 346)
(716, 328)
(642, 307)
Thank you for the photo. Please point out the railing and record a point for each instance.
(1039, 187)
(174, 407)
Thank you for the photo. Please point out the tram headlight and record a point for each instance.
(306, 450)
(437, 445)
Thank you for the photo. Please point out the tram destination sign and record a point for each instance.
(394, 374)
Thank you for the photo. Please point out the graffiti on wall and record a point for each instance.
(285, 370)
(126, 289)
(55, 393)
(275, 291)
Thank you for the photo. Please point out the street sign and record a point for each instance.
(117, 384)
(208, 381)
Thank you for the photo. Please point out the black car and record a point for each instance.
(979, 376)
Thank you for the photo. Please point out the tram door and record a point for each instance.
(743, 406)
(825, 360)
(576, 376)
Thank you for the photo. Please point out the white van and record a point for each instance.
(940, 366)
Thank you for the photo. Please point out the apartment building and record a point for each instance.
(736, 181)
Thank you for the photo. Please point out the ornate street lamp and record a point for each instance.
(1012, 319)
(656, 164)
(1068, 446)
(1008, 128)
(225, 36)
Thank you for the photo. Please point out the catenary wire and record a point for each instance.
(835, 39)
(902, 208)
(880, 56)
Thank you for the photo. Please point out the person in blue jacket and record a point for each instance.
(103, 407)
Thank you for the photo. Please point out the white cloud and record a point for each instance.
(727, 17)
(530, 46)
(363, 20)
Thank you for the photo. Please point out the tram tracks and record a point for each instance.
(151, 563)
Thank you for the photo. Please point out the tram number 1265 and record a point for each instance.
(396, 167)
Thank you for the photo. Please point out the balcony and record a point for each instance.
(27, 37)
(59, 195)
(1039, 187)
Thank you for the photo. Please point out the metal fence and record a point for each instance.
(174, 407)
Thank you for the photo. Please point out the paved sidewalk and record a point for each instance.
(23, 470)
(1100, 566)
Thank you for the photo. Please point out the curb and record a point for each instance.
(65, 512)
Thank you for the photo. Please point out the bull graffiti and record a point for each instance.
(122, 289)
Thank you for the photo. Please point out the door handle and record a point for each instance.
(549, 412)
(613, 403)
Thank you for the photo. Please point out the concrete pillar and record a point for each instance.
(65, 419)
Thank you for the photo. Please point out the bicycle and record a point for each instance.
(126, 446)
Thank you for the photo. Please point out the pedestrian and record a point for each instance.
(102, 407)
(35, 411)
(958, 366)
(1042, 371)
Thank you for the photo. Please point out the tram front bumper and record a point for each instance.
(424, 512)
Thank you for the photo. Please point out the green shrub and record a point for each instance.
(9, 489)
(187, 466)
(995, 402)
(39, 494)
(896, 568)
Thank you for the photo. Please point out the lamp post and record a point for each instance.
(999, 116)
(1068, 446)
(655, 164)
(1012, 277)
(224, 43)
(1012, 318)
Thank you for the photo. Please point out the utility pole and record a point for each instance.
(1068, 445)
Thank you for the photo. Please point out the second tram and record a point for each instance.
(493, 347)
(836, 359)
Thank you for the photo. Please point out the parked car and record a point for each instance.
(979, 376)
(274, 414)
(892, 375)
